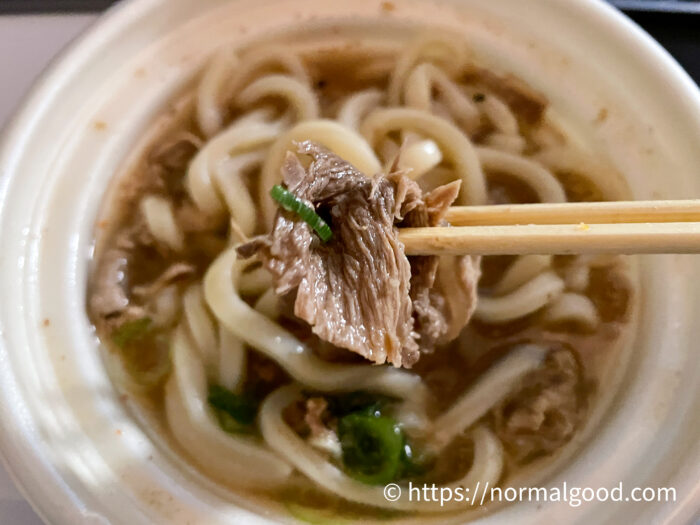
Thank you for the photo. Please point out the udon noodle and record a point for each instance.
(245, 390)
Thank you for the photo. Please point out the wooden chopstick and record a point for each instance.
(624, 238)
(575, 213)
(567, 228)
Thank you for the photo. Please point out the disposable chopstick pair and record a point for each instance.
(625, 227)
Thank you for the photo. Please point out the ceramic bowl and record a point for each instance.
(74, 447)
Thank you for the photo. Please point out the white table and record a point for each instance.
(27, 44)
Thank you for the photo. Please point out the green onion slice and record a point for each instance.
(235, 409)
(372, 448)
(131, 331)
(291, 202)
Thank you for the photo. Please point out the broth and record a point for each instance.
(138, 277)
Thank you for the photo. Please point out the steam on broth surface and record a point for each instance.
(499, 361)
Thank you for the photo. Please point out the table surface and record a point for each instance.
(28, 42)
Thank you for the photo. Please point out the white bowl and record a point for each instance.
(69, 441)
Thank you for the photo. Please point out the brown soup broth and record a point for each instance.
(160, 169)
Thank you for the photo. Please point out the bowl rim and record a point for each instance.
(47, 500)
(36, 479)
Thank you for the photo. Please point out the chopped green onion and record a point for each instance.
(373, 447)
(229, 425)
(291, 202)
(131, 331)
(236, 412)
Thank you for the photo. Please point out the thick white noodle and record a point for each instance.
(255, 282)
(234, 459)
(418, 158)
(567, 159)
(229, 181)
(296, 93)
(514, 144)
(572, 308)
(545, 185)
(500, 115)
(482, 396)
(522, 270)
(357, 106)
(220, 291)
(201, 327)
(210, 113)
(445, 51)
(239, 138)
(340, 139)
(160, 220)
(525, 300)
(455, 146)
(229, 167)
(232, 361)
(271, 59)
(268, 304)
(486, 468)
(418, 94)
(548, 189)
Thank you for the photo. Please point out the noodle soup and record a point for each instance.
(262, 400)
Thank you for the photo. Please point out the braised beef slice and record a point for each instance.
(176, 153)
(314, 416)
(543, 414)
(429, 308)
(358, 291)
